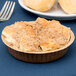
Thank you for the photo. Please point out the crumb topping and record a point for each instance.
(40, 35)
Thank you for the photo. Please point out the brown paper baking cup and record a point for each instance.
(37, 58)
(41, 57)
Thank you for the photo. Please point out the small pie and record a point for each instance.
(37, 36)
(69, 6)
(39, 5)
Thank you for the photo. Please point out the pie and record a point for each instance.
(69, 6)
(36, 36)
(39, 5)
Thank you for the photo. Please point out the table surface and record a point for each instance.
(9, 66)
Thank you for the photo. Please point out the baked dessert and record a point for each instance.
(69, 6)
(37, 36)
(39, 5)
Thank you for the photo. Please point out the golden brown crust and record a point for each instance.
(40, 35)
(49, 46)
(69, 6)
(39, 5)
(42, 21)
(30, 30)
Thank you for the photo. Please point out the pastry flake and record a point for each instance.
(49, 46)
